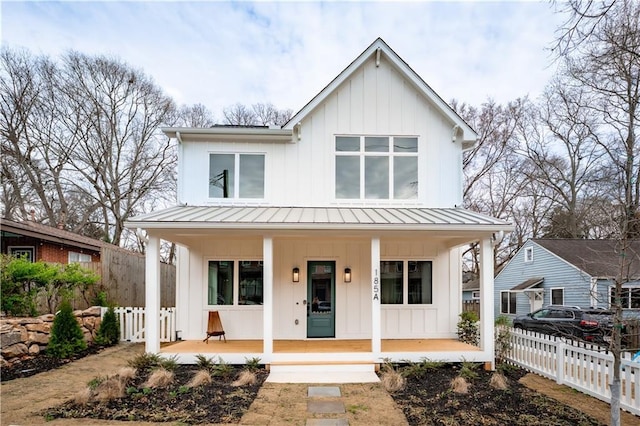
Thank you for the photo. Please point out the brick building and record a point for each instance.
(42, 242)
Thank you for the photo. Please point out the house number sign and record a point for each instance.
(376, 285)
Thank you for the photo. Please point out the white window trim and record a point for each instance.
(405, 281)
(612, 288)
(551, 295)
(10, 250)
(80, 255)
(528, 255)
(236, 185)
(236, 282)
(509, 292)
(389, 154)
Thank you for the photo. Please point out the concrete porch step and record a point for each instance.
(329, 372)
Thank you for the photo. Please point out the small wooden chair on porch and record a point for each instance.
(214, 327)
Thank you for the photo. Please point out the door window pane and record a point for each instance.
(220, 286)
(391, 282)
(405, 178)
(376, 174)
(221, 175)
(250, 283)
(376, 144)
(251, 176)
(347, 177)
(347, 144)
(420, 282)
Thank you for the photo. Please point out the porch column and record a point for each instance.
(152, 295)
(376, 334)
(267, 305)
(487, 330)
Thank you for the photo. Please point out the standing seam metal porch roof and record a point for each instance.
(317, 217)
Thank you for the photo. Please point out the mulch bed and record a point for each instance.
(429, 400)
(217, 402)
(40, 363)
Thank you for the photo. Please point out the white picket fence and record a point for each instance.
(132, 324)
(587, 368)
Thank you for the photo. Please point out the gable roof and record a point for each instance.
(51, 234)
(379, 47)
(598, 258)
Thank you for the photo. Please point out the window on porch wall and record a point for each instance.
(222, 285)
(417, 284)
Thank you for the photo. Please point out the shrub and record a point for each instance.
(253, 364)
(420, 369)
(468, 370)
(100, 299)
(109, 330)
(66, 335)
(468, 328)
(169, 364)
(145, 361)
(222, 368)
(204, 363)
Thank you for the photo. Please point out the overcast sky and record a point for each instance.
(220, 53)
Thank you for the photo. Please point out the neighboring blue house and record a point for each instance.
(565, 272)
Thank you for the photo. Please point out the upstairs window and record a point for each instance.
(376, 167)
(528, 254)
(236, 175)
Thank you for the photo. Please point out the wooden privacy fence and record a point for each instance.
(132, 324)
(122, 275)
(471, 306)
(587, 368)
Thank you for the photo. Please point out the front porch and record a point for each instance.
(314, 351)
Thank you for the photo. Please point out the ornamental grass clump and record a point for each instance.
(201, 378)
(245, 377)
(498, 381)
(66, 337)
(160, 378)
(460, 385)
(391, 379)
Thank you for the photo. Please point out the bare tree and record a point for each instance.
(257, 115)
(601, 49)
(80, 141)
(195, 116)
(493, 182)
(561, 141)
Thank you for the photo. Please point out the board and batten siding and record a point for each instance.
(353, 300)
(556, 272)
(372, 101)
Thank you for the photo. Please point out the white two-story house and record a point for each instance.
(335, 238)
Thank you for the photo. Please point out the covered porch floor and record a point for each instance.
(216, 346)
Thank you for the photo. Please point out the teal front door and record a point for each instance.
(321, 284)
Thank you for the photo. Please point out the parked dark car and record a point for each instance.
(591, 325)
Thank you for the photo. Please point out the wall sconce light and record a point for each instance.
(347, 275)
(296, 275)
